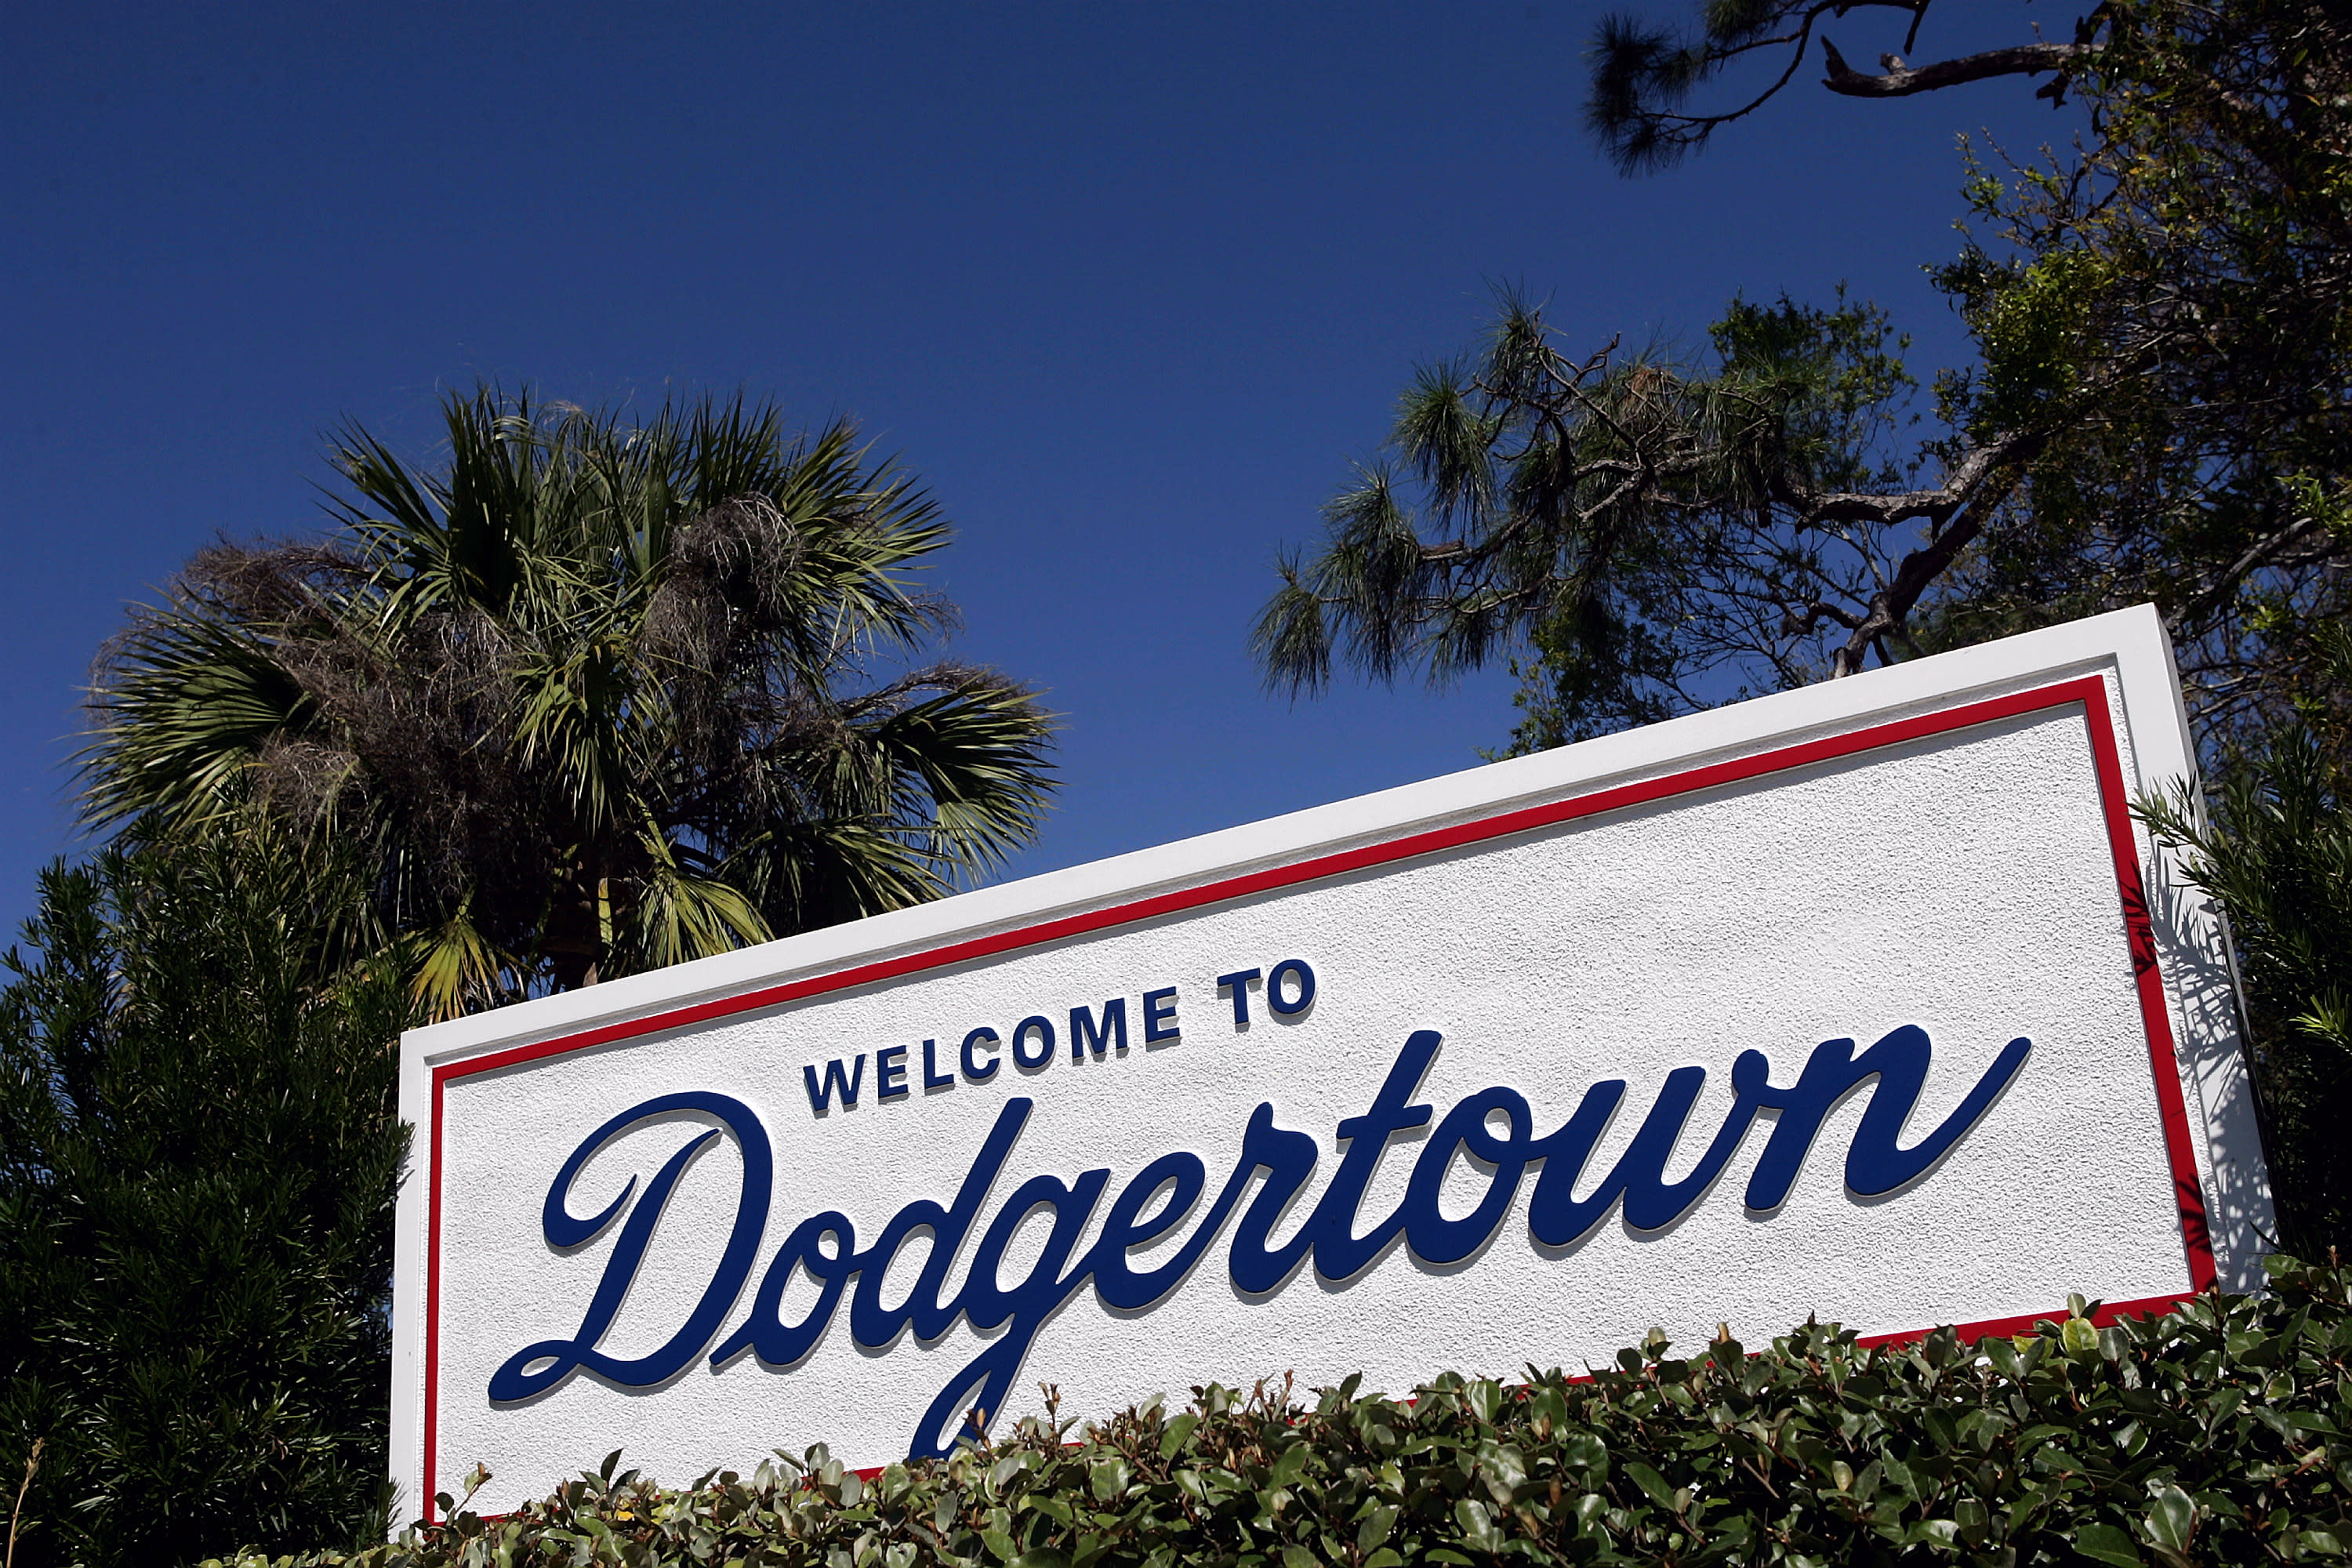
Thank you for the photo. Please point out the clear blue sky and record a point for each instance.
(1128, 285)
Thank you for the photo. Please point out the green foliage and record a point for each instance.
(2159, 408)
(198, 1160)
(2276, 854)
(1645, 529)
(594, 698)
(2168, 304)
(2029, 326)
(1835, 381)
(1643, 73)
(2208, 1436)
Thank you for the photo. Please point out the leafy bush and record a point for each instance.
(2206, 1436)
(2276, 855)
(198, 1158)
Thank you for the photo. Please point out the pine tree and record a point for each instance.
(2155, 411)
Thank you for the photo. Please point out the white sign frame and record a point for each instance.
(2115, 671)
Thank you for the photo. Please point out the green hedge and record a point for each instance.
(2208, 1435)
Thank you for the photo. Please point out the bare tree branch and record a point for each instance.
(2263, 553)
(1795, 625)
(1901, 81)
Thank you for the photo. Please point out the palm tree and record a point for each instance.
(592, 697)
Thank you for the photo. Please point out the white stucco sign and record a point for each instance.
(1869, 1000)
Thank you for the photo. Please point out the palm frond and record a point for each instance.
(182, 705)
(677, 916)
(456, 970)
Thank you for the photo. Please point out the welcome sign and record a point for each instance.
(1870, 1000)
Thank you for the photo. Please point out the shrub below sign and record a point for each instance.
(2213, 1435)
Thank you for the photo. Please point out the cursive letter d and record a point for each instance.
(517, 1379)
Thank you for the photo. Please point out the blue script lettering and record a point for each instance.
(536, 1368)
(1335, 1235)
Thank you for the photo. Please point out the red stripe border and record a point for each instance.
(2089, 691)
